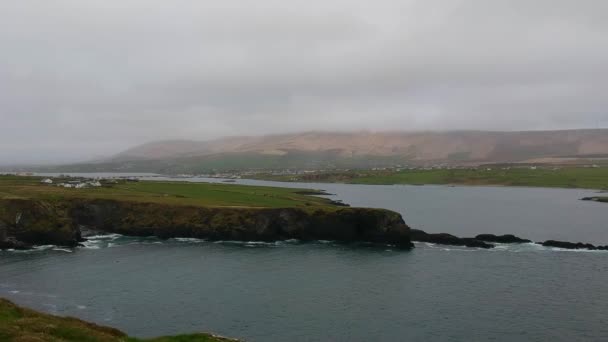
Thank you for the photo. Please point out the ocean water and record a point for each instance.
(292, 291)
(537, 214)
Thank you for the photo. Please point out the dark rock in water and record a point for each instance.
(570, 245)
(507, 238)
(595, 199)
(472, 242)
(447, 239)
(12, 243)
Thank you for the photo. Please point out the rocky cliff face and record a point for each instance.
(25, 222)
(58, 222)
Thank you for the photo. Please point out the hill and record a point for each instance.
(359, 150)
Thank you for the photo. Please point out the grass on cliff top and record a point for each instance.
(20, 324)
(178, 193)
(570, 177)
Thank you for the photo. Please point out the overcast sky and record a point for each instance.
(86, 78)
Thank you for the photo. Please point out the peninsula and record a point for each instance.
(36, 211)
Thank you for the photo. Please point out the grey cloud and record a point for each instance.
(81, 79)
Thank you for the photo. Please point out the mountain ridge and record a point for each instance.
(361, 149)
(480, 145)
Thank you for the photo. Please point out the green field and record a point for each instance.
(588, 178)
(20, 324)
(179, 193)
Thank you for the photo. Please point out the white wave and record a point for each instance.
(90, 245)
(143, 243)
(557, 249)
(246, 243)
(44, 247)
(194, 240)
(63, 250)
(529, 247)
(104, 237)
(259, 243)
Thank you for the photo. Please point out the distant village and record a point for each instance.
(67, 181)
(77, 184)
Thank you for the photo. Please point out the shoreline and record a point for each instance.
(448, 185)
(28, 222)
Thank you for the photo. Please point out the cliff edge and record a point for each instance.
(26, 222)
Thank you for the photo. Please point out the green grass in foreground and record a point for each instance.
(179, 193)
(588, 178)
(20, 324)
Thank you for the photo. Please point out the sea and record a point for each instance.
(326, 291)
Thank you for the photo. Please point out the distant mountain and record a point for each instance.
(358, 149)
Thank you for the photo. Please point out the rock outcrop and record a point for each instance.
(573, 245)
(24, 223)
(507, 238)
(58, 222)
(595, 199)
(447, 239)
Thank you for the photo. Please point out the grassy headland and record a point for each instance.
(178, 193)
(34, 213)
(21, 324)
(588, 178)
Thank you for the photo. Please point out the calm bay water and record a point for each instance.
(326, 292)
(537, 214)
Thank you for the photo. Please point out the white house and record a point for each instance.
(47, 181)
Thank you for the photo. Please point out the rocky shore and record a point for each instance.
(25, 222)
(596, 199)
(447, 239)
(574, 245)
(487, 241)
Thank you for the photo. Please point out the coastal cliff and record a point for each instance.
(26, 222)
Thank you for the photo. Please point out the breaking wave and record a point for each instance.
(504, 247)
(117, 240)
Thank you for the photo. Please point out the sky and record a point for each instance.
(82, 79)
